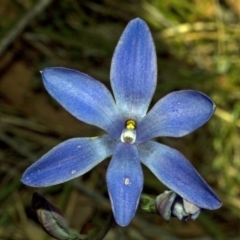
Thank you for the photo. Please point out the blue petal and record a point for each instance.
(125, 182)
(177, 173)
(176, 115)
(134, 70)
(84, 97)
(68, 160)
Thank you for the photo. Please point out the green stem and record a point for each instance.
(103, 232)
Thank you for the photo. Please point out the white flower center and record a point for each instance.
(129, 133)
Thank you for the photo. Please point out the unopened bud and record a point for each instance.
(170, 204)
(164, 203)
(50, 217)
(185, 210)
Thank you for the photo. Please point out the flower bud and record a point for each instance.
(164, 204)
(50, 217)
(52, 220)
(170, 204)
(185, 210)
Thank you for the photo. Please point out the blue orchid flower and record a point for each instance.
(129, 128)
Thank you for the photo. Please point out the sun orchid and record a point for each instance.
(128, 126)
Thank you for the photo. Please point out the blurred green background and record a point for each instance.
(197, 43)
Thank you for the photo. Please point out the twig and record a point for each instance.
(22, 24)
